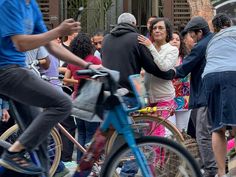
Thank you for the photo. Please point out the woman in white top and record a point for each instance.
(161, 92)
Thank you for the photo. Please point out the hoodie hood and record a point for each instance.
(122, 29)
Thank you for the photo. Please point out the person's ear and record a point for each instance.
(134, 23)
(200, 32)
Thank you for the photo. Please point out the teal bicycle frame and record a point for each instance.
(117, 117)
(116, 114)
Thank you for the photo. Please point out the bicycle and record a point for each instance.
(138, 150)
(57, 144)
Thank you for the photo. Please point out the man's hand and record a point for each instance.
(68, 27)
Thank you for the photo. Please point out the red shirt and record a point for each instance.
(74, 68)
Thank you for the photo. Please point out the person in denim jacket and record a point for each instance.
(220, 86)
(4, 106)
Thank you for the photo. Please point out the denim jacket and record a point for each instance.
(3, 105)
(220, 53)
(194, 63)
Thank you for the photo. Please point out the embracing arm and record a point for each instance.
(196, 55)
(150, 66)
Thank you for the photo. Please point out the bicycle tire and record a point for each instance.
(159, 121)
(56, 147)
(173, 166)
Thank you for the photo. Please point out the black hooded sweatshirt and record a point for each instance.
(122, 52)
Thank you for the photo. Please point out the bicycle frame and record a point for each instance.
(118, 118)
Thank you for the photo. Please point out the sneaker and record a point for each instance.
(94, 151)
(63, 173)
(70, 165)
(19, 163)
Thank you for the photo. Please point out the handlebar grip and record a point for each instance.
(86, 72)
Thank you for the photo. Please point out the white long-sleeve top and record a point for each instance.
(159, 89)
(166, 58)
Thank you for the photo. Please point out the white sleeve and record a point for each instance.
(167, 60)
(42, 53)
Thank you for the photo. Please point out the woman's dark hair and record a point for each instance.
(220, 21)
(168, 25)
(81, 45)
(182, 50)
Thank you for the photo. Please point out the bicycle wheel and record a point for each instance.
(165, 158)
(147, 125)
(54, 145)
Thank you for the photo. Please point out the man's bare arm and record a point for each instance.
(28, 42)
(61, 52)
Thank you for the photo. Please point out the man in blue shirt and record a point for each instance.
(23, 29)
(194, 63)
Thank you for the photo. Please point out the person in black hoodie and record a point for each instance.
(122, 52)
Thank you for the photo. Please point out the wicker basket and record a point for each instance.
(191, 145)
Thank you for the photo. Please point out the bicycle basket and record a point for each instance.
(192, 146)
(137, 85)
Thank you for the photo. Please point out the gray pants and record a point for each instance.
(21, 85)
(204, 140)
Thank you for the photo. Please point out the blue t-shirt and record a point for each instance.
(17, 18)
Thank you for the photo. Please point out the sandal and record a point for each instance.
(19, 163)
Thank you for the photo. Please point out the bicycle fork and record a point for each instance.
(122, 123)
(139, 156)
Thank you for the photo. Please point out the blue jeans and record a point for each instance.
(86, 131)
(129, 168)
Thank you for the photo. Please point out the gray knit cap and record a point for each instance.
(127, 18)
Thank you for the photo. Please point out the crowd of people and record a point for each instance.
(190, 71)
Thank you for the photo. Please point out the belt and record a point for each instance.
(6, 67)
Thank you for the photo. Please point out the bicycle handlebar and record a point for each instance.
(86, 72)
(93, 73)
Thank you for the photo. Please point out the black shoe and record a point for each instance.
(19, 163)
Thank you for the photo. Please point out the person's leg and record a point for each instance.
(204, 141)
(81, 136)
(172, 119)
(91, 128)
(182, 119)
(23, 86)
(28, 114)
(219, 148)
(192, 124)
(68, 146)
